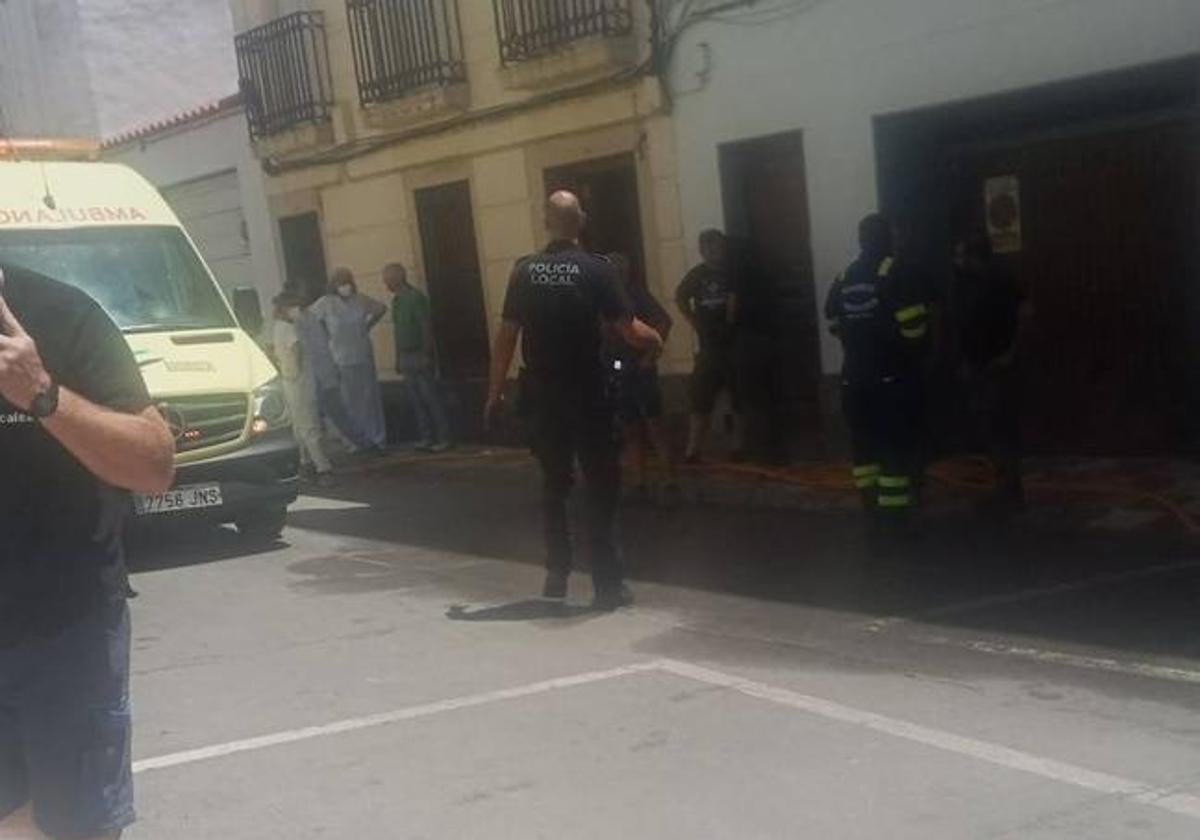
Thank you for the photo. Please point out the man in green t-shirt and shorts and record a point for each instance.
(415, 358)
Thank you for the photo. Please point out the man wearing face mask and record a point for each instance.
(299, 387)
(348, 318)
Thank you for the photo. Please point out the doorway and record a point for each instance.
(765, 195)
(1100, 178)
(304, 255)
(608, 189)
(453, 281)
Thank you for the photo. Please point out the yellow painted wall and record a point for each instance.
(367, 206)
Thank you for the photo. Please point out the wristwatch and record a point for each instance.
(46, 403)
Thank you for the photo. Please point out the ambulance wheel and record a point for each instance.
(263, 525)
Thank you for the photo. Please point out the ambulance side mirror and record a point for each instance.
(247, 307)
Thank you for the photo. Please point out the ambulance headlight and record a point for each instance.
(270, 408)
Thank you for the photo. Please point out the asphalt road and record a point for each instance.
(384, 673)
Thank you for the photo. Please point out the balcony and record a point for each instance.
(403, 46)
(283, 70)
(529, 29)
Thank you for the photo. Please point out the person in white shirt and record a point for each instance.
(299, 386)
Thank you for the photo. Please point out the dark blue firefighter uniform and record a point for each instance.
(880, 313)
(559, 297)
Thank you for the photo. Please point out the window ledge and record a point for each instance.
(571, 62)
(419, 105)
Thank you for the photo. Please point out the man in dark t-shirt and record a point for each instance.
(708, 301)
(77, 432)
(986, 308)
(556, 303)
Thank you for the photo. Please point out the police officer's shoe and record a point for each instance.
(555, 588)
(612, 598)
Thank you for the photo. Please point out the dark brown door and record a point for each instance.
(1108, 262)
(609, 192)
(765, 194)
(453, 280)
(304, 254)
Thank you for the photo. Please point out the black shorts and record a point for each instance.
(65, 727)
(638, 394)
(714, 372)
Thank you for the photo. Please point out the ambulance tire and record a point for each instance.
(262, 525)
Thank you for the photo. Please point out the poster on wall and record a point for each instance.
(1002, 199)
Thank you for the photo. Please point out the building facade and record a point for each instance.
(97, 68)
(1067, 129)
(203, 164)
(430, 133)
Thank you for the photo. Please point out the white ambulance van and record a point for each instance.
(104, 229)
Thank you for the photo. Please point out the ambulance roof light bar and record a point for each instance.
(49, 149)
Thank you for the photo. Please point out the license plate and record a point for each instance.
(192, 497)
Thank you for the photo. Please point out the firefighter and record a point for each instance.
(880, 312)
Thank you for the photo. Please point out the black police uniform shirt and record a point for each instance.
(559, 297)
(709, 290)
(61, 552)
(862, 307)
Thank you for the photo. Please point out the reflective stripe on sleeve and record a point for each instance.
(911, 313)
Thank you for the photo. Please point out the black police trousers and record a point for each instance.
(885, 420)
(567, 428)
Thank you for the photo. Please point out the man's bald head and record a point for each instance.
(564, 215)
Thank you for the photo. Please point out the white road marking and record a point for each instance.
(1029, 594)
(1134, 791)
(1057, 657)
(1001, 756)
(372, 721)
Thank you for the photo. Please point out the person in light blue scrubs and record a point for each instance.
(348, 318)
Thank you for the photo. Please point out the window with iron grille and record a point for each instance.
(403, 45)
(283, 70)
(530, 28)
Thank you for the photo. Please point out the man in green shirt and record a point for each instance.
(415, 358)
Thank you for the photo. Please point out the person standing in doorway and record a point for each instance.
(299, 388)
(416, 359)
(348, 318)
(880, 312)
(637, 388)
(78, 432)
(708, 300)
(987, 311)
(556, 303)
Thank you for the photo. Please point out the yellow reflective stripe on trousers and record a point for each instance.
(866, 482)
(867, 469)
(914, 332)
(910, 313)
(895, 501)
(895, 482)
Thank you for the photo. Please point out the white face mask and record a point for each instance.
(345, 291)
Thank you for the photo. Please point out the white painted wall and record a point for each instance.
(832, 65)
(203, 150)
(101, 67)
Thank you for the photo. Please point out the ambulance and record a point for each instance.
(104, 229)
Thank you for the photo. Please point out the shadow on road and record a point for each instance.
(1042, 577)
(532, 609)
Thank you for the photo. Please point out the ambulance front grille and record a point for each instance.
(206, 421)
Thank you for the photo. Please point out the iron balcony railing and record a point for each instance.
(283, 69)
(403, 45)
(530, 28)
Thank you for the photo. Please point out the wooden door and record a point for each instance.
(304, 254)
(1108, 262)
(453, 280)
(608, 189)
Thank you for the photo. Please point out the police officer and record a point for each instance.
(880, 312)
(556, 302)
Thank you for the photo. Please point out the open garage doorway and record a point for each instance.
(1090, 192)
